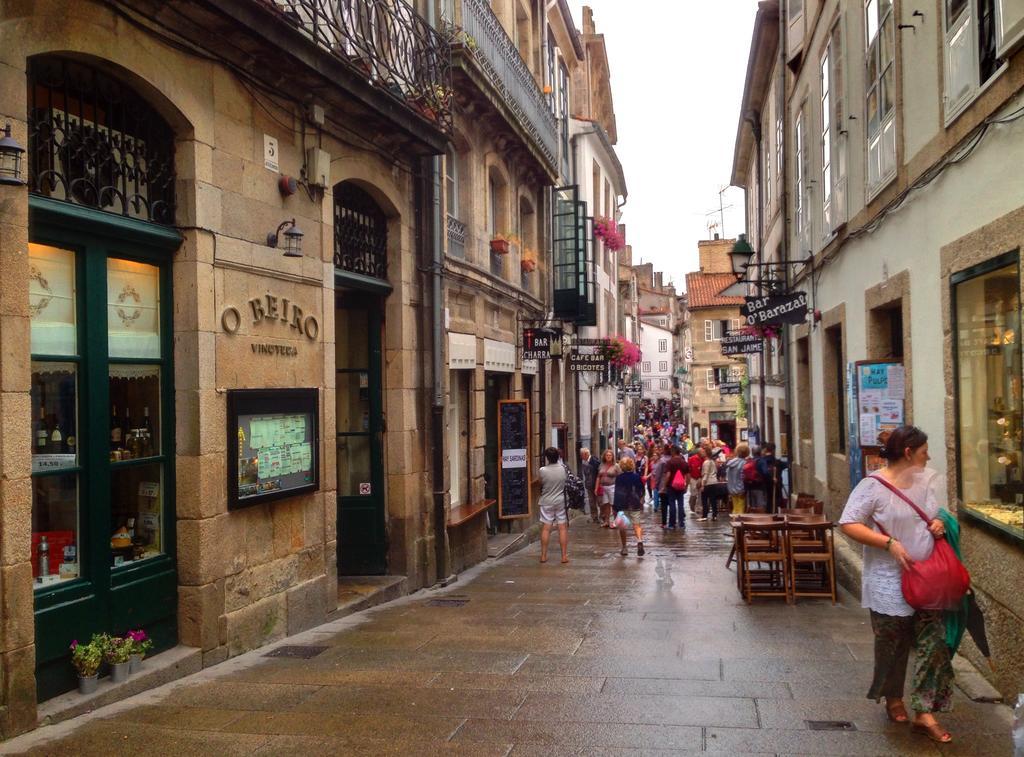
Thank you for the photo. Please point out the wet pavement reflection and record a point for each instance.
(605, 655)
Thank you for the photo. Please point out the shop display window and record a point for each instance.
(988, 370)
(97, 414)
(135, 513)
(134, 411)
(54, 416)
(55, 528)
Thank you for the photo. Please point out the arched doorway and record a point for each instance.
(361, 266)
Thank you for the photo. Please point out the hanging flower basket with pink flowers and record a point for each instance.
(608, 232)
(620, 352)
(762, 332)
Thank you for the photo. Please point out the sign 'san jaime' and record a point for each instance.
(729, 387)
(739, 343)
(775, 310)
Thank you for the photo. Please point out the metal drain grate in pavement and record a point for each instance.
(296, 651)
(446, 602)
(830, 725)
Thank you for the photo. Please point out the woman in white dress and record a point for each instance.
(904, 538)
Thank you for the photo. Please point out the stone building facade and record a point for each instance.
(139, 278)
(710, 315)
(899, 136)
(510, 146)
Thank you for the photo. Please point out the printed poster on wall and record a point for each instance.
(880, 400)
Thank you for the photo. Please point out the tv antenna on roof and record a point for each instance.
(720, 223)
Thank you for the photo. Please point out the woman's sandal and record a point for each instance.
(897, 712)
(935, 732)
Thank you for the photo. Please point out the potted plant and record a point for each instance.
(529, 261)
(86, 659)
(501, 244)
(117, 652)
(140, 646)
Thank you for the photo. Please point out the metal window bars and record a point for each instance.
(388, 42)
(499, 58)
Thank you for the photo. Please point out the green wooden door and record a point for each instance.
(100, 295)
(362, 532)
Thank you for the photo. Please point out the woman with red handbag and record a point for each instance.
(894, 514)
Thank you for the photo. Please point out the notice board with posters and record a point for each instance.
(273, 444)
(881, 405)
(514, 459)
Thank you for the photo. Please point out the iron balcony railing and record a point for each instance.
(497, 55)
(386, 41)
(456, 237)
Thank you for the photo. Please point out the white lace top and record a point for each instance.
(871, 503)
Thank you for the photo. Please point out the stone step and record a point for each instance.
(157, 670)
(357, 593)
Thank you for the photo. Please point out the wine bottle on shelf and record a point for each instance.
(56, 438)
(42, 433)
(115, 429)
(147, 433)
(126, 426)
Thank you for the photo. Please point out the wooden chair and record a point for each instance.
(811, 557)
(764, 544)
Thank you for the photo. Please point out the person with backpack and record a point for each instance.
(629, 499)
(659, 457)
(552, 504)
(771, 468)
(734, 478)
(753, 483)
(673, 486)
(712, 485)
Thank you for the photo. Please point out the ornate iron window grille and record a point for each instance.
(360, 233)
(388, 42)
(456, 237)
(94, 141)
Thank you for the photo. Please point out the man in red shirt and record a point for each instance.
(672, 496)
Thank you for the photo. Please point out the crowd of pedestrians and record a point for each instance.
(665, 471)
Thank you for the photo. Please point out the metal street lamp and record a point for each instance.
(740, 257)
(292, 239)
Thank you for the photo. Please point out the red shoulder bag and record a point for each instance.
(938, 583)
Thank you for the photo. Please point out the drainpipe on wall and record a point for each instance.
(436, 247)
(783, 200)
(754, 119)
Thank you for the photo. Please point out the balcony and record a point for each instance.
(481, 37)
(385, 42)
(456, 237)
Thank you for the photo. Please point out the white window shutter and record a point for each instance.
(1010, 27)
(960, 62)
(709, 335)
(710, 373)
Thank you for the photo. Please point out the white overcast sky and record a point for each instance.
(677, 69)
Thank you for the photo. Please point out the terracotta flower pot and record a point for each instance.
(529, 266)
(500, 246)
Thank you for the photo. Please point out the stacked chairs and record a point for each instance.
(763, 565)
(811, 557)
(786, 555)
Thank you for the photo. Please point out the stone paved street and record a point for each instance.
(596, 657)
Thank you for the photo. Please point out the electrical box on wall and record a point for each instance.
(318, 167)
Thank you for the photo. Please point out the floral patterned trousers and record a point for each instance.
(933, 669)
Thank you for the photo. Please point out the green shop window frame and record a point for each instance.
(966, 510)
(105, 598)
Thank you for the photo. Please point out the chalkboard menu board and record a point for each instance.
(273, 445)
(514, 459)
